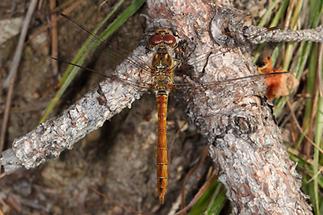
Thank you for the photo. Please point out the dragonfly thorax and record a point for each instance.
(162, 59)
(163, 69)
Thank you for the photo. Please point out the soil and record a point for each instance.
(112, 170)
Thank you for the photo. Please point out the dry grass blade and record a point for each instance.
(300, 129)
(54, 36)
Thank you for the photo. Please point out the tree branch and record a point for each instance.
(49, 139)
(231, 27)
(257, 35)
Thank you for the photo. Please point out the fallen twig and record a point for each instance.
(9, 82)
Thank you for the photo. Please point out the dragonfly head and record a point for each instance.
(162, 36)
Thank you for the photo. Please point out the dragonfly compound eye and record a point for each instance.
(156, 39)
(169, 40)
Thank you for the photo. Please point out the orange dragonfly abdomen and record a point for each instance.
(161, 153)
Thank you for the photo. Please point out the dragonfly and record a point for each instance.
(165, 47)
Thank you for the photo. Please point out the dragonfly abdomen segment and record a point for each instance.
(162, 156)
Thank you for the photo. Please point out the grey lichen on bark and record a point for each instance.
(258, 35)
(244, 140)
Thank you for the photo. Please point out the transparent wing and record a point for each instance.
(214, 86)
(138, 84)
(136, 61)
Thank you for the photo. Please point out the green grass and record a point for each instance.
(211, 202)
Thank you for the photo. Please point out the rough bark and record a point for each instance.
(243, 138)
(258, 35)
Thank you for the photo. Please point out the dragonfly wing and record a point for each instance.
(131, 74)
(217, 86)
(225, 73)
(135, 60)
(139, 83)
(139, 62)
